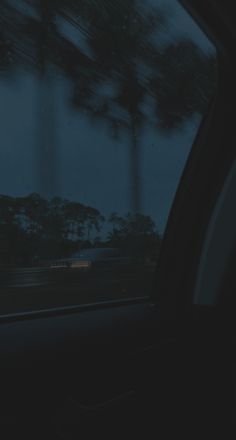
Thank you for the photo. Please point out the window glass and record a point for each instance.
(100, 104)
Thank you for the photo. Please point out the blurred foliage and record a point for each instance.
(33, 228)
(136, 234)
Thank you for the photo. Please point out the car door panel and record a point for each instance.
(82, 366)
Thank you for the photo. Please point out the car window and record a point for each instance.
(100, 105)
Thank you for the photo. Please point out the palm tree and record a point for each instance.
(185, 84)
(30, 37)
(179, 77)
(11, 45)
(40, 33)
(28, 40)
(119, 41)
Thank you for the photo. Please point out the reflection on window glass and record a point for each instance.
(100, 104)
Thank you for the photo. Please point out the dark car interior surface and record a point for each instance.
(162, 364)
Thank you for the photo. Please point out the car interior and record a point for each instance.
(155, 366)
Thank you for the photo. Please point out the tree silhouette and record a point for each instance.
(135, 233)
(42, 34)
(93, 221)
(30, 38)
(74, 220)
(33, 226)
(185, 84)
(179, 77)
(118, 38)
(116, 221)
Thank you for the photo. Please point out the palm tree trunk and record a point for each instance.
(135, 169)
(47, 146)
(47, 160)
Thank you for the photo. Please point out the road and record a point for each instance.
(24, 289)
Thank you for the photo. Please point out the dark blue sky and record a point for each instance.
(93, 167)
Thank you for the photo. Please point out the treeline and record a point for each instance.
(33, 229)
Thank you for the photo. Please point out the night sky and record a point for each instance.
(92, 167)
